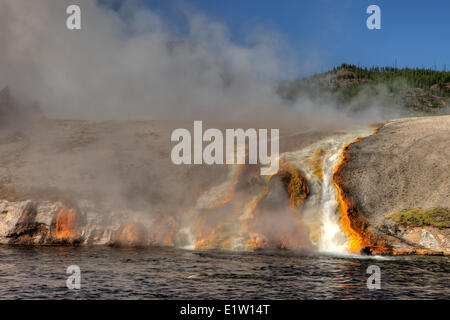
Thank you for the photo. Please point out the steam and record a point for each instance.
(132, 64)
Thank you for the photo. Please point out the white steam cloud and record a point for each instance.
(131, 64)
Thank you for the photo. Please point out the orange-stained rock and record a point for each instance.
(353, 222)
(295, 184)
(68, 225)
(276, 215)
(131, 234)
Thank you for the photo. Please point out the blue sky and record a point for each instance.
(324, 33)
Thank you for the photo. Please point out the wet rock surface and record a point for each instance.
(54, 223)
(405, 165)
(38, 223)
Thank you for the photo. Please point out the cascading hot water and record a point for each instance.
(235, 211)
(321, 213)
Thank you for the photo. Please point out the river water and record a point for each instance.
(168, 273)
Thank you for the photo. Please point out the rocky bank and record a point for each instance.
(65, 182)
(392, 181)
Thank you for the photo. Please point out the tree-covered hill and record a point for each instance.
(415, 89)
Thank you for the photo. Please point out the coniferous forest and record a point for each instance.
(416, 89)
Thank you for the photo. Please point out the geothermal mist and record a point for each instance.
(132, 64)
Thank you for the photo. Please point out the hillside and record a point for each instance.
(349, 86)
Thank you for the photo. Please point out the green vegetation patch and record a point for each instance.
(415, 89)
(437, 217)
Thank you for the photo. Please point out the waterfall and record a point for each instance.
(331, 238)
(321, 212)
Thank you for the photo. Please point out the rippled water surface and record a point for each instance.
(163, 273)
